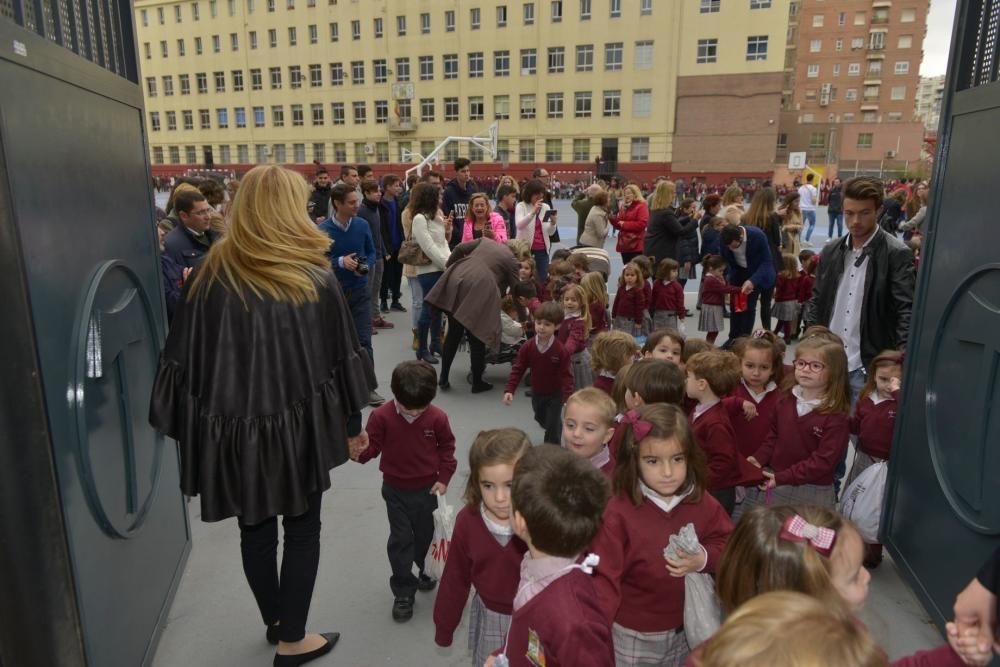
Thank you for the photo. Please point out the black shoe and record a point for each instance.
(429, 358)
(402, 609)
(272, 634)
(444, 384)
(302, 658)
(426, 582)
(481, 387)
(398, 307)
(384, 307)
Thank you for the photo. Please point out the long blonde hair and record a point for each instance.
(663, 196)
(595, 288)
(271, 246)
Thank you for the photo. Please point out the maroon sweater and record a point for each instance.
(751, 434)
(647, 291)
(726, 466)
(634, 586)
(630, 303)
(806, 283)
(571, 335)
(605, 384)
(804, 450)
(714, 291)
(413, 455)
(549, 372)
(475, 558)
(873, 425)
(786, 289)
(668, 297)
(598, 318)
(568, 623)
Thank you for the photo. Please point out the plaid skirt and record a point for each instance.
(801, 494)
(583, 372)
(664, 319)
(487, 631)
(785, 311)
(711, 318)
(626, 324)
(862, 462)
(665, 649)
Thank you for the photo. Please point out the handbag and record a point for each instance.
(863, 500)
(702, 611)
(411, 253)
(444, 526)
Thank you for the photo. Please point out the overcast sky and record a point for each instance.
(938, 41)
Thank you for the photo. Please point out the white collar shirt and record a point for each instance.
(845, 320)
(741, 252)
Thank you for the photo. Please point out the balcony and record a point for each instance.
(401, 125)
(879, 19)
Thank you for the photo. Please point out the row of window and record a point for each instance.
(819, 140)
(854, 69)
(714, 6)
(851, 117)
(870, 93)
(876, 42)
(879, 16)
(708, 49)
(556, 14)
(379, 152)
(642, 105)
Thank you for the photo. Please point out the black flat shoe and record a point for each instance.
(402, 609)
(481, 387)
(426, 582)
(444, 384)
(302, 658)
(272, 634)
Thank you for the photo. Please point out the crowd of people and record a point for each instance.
(666, 462)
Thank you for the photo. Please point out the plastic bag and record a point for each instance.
(702, 613)
(444, 525)
(862, 501)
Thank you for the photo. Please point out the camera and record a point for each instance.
(362, 264)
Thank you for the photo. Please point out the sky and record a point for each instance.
(937, 43)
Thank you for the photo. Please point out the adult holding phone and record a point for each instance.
(534, 226)
(431, 233)
(631, 220)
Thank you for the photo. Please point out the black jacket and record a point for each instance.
(186, 249)
(835, 204)
(378, 213)
(456, 200)
(888, 300)
(664, 233)
(319, 202)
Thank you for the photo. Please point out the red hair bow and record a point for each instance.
(640, 427)
(797, 529)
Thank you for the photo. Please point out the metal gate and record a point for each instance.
(943, 506)
(89, 493)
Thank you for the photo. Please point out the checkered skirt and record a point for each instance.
(711, 318)
(801, 494)
(664, 320)
(487, 631)
(665, 649)
(785, 311)
(626, 324)
(583, 371)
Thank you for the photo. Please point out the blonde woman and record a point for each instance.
(261, 422)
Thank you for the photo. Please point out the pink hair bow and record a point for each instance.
(797, 529)
(640, 427)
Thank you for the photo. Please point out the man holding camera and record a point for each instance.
(352, 253)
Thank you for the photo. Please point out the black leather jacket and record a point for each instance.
(888, 300)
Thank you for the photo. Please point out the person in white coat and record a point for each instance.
(535, 225)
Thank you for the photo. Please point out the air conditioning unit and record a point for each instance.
(890, 154)
(369, 149)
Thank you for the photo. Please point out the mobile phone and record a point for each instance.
(548, 215)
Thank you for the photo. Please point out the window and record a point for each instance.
(501, 63)
(222, 118)
(646, 6)
(757, 47)
(340, 152)
(642, 103)
(185, 81)
(220, 82)
(197, 46)
(851, 95)
(164, 51)
(451, 108)
(381, 70)
(337, 113)
(644, 55)
(895, 116)
(477, 108)
(154, 121)
(857, 43)
(148, 50)
(503, 149)
(501, 107)
(427, 109)
(708, 50)
(378, 28)
(426, 68)
(613, 56)
(224, 155)
(838, 45)
(355, 30)
(313, 34)
(336, 74)
(836, 69)
(242, 153)
(241, 116)
(190, 154)
(585, 58)
(760, 4)
(860, 18)
(905, 42)
(529, 13)
(581, 150)
(908, 16)
(876, 41)
(842, 18)
(582, 104)
(817, 140)
(815, 45)
(425, 23)
(869, 117)
(554, 105)
(334, 32)
(871, 93)
(404, 111)
(216, 44)
(159, 15)
(848, 117)
(898, 93)
(874, 68)
(382, 151)
(319, 152)
(527, 150)
(258, 118)
(501, 16)
(529, 61)
(279, 153)
(612, 103)
(180, 47)
(158, 154)
(616, 8)
(175, 155)
(782, 141)
(476, 65)
(449, 21)
(359, 151)
(177, 13)
(317, 114)
(401, 25)
(527, 107)
(275, 73)
(640, 149)
(151, 86)
(475, 18)
(818, 20)
(853, 69)
(864, 140)
(315, 75)
(253, 40)
(902, 67)
(237, 80)
(710, 6)
(145, 18)
(451, 66)
(557, 11)
(202, 79)
(812, 71)
(381, 112)
(357, 72)
(272, 38)
(298, 117)
(557, 59)
(402, 69)
(553, 150)
(234, 42)
(295, 76)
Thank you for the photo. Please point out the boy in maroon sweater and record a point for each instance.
(418, 460)
(551, 380)
(557, 499)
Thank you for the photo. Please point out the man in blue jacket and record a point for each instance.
(749, 267)
(352, 255)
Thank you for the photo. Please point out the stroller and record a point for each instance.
(598, 259)
(505, 355)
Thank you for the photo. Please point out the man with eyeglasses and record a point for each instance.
(188, 243)
(864, 285)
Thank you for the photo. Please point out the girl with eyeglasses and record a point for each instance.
(809, 430)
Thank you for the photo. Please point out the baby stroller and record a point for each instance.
(505, 355)
(598, 259)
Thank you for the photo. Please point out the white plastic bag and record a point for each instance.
(862, 501)
(702, 613)
(444, 525)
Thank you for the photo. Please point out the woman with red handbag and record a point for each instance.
(631, 221)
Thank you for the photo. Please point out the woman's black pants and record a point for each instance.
(766, 298)
(477, 351)
(285, 600)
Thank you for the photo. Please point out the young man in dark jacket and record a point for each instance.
(392, 189)
(457, 194)
(319, 200)
(372, 211)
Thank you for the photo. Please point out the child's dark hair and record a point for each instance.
(667, 421)
(719, 368)
(645, 265)
(414, 384)
(790, 266)
(490, 448)
(507, 304)
(693, 346)
(560, 255)
(579, 261)
(767, 342)
(667, 267)
(713, 262)
(561, 498)
(549, 311)
(653, 339)
(559, 268)
(685, 204)
(884, 358)
(557, 284)
(806, 255)
(656, 381)
(809, 264)
(525, 288)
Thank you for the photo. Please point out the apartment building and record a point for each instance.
(641, 83)
(930, 93)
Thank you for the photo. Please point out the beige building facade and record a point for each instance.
(930, 94)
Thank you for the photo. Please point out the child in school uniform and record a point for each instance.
(588, 425)
(667, 300)
(560, 273)
(809, 261)
(595, 289)
(762, 372)
(612, 351)
(418, 460)
(527, 301)
(787, 290)
(629, 308)
(484, 553)
(648, 381)
(658, 488)
(574, 332)
(646, 266)
(664, 344)
(692, 346)
(527, 272)
(551, 380)
(557, 500)
(713, 295)
(511, 329)
(711, 376)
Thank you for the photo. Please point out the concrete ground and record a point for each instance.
(214, 619)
